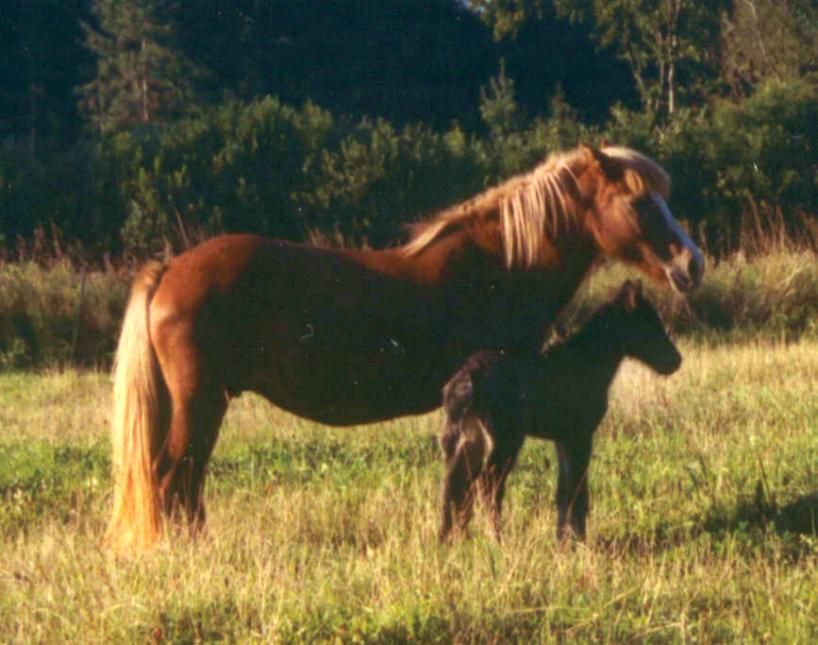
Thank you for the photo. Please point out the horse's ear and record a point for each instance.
(610, 167)
(604, 143)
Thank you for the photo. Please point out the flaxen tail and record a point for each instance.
(136, 521)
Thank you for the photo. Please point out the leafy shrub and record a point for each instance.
(378, 179)
(731, 159)
(270, 168)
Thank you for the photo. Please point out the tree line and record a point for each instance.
(127, 126)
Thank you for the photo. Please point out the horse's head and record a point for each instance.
(640, 331)
(630, 219)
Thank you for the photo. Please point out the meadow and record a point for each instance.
(703, 526)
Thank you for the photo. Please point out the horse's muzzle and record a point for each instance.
(685, 273)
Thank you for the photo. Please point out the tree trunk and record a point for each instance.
(144, 108)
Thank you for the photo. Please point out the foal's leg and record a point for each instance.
(501, 460)
(572, 486)
(464, 464)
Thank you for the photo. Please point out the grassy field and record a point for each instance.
(703, 522)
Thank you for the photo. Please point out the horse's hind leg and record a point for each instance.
(197, 407)
(182, 461)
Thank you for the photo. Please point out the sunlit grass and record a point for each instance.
(703, 523)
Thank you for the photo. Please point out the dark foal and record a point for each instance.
(496, 399)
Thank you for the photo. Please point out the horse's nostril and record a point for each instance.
(695, 268)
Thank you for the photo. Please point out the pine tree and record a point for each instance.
(140, 77)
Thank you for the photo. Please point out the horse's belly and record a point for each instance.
(337, 388)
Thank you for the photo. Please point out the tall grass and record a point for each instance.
(703, 525)
(54, 314)
(774, 295)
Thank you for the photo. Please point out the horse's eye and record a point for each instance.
(644, 207)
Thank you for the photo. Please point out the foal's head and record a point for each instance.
(640, 332)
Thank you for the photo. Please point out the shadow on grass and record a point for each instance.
(799, 516)
(752, 519)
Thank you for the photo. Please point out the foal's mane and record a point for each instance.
(535, 207)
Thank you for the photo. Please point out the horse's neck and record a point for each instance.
(466, 269)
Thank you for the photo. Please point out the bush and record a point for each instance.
(735, 159)
(379, 179)
(234, 168)
(273, 169)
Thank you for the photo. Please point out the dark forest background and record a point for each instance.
(129, 127)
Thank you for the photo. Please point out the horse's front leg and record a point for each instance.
(572, 486)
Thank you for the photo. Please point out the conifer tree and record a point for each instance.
(140, 77)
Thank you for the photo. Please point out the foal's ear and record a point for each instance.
(609, 166)
(630, 294)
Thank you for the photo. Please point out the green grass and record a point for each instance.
(703, 523)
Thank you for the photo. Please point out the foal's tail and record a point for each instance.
(137, 414)
(458, 396)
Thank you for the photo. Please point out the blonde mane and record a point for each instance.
(535, 207)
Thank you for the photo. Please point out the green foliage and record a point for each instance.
(505, 17)
(140, 77)
(302, 172)
(668, 44)
(378, 179)
(498, 108)
(235, 167)
(769, 40)
(734, 160)
(768, 146)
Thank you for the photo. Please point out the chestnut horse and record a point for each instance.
(353, 336)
